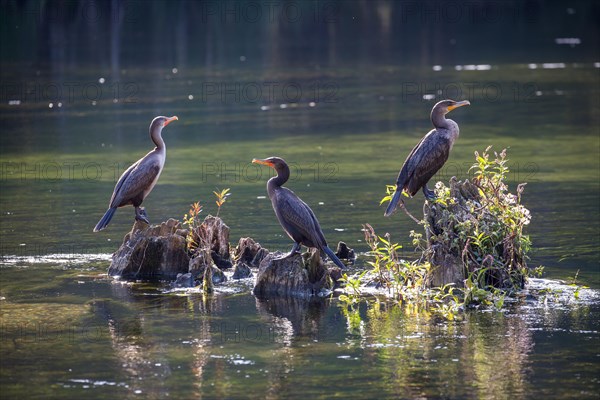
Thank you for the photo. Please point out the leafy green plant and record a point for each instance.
(352, 290)
(577, 287)
(350, 299)
(446, 301)
(389, 193)
(405, 280)
(498, 229)
(193, 221)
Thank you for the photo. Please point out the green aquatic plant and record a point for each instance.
(350, 299)
(446, 301)
(577, 286)
(405, 280)
(352, 292)
(498, 235)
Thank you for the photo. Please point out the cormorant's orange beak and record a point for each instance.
(459, 104)
(169, 120)
(263, 162)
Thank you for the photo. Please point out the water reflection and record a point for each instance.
(386, 67)
(293, 317)
(138, 339)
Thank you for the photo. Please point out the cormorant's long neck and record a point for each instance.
(156, 136)
(439, 120)
(283, 174)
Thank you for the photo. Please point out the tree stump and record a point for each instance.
(249, 252)
(151, 252)
(296, 275)
(343, 252)
(451, 230)
(213, 236)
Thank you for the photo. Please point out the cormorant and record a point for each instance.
(139, 179)
(294, 215)
(428, 156)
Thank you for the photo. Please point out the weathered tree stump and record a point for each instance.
(449, 232)
(343, 252)
(247, 254)
(296, 275)
(241, 271)
(198, 266)
(151, 252)
(212, 236)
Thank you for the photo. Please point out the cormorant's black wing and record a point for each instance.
(135, 180)
(426, 158)
(297, 219)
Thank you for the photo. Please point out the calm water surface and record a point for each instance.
(69, 332)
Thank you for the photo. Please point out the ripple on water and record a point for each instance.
(60, 259)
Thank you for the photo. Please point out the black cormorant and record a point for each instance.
(295, 216)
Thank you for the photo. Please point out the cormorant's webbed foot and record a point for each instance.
(140, 215)
(429, 194)
(294, 250)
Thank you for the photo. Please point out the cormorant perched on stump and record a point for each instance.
(428, 156)
(295, 216)
(139, 179)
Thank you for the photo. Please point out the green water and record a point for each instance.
(68, 332)
(342, 153)
(343, 93)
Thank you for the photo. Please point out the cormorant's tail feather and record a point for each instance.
(333, 257)
(394, 202)
(105, 219)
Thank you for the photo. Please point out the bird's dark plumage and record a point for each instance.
(428, 156)
(138, 180)
(295, 216)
